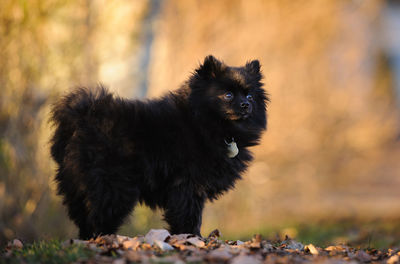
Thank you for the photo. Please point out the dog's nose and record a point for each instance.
(245, 104)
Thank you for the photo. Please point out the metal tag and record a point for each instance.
(232, 149)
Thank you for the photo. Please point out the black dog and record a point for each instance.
(172, 153)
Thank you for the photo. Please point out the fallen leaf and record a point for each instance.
(256, 238)
(196, 242)
(255, 245)
(311, 248)
(181, 238)
(131, 244)
(180, 246)
(239, 243)
(146, 246)
(393, 259)
(292, 244)
(268, 246)
(178, 241)
(109, 239)
(16, 243)
(162, 245)
(121, 239)
(335, 248)
(156, 234)
(214, 233)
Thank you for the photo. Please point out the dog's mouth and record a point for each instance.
(238, 116)
(245, 115)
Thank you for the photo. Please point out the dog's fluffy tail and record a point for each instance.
(70, 113)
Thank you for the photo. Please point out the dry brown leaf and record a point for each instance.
(180, 246)
(16, 243)
(214, 233)
(131, 244)
(292, 244)
(196, 242)
(393, 259)
(121, 239)
(163, 246)
(268, 246)
(311, 248)
(156, 234)
(239, 243)
(257, 238)
(146, 246)
(255, 245)
(180, 239)
(335, 248)
(109, 239)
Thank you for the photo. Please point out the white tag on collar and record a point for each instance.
(232, 149)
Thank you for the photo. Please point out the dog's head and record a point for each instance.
(232, 93)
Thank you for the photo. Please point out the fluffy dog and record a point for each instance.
(172, 153)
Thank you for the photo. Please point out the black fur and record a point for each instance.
(169, 153)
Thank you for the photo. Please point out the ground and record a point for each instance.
(158, 246)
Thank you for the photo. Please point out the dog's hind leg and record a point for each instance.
(73, 199)
(78, 213)
(97, 200)
(109, 206)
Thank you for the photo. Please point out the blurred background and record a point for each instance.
(329, 162)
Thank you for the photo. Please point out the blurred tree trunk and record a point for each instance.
(148, 32)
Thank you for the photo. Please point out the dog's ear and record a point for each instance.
(253, 68)
(210, 68)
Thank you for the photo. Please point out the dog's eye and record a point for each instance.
(249, 97)
(228, 96)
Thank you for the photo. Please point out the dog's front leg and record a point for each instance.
(183, 212)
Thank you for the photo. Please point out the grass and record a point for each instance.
(372, 234)
(49, 252)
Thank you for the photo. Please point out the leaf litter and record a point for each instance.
(159, 246)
